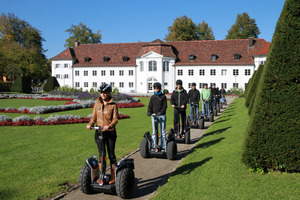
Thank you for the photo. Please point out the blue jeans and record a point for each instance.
(205, 104)
(196, 110)
(161, 120)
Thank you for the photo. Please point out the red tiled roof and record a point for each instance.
(181, 50)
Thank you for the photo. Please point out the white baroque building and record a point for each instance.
(134, 67)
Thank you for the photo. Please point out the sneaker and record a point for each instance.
(163, 150)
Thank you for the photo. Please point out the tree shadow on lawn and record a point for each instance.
(188, 168)
(207, 144)
(216, 132)
(7, 194)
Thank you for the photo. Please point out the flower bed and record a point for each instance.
(52, 120)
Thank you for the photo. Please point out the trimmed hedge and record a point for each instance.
(253, 87)
(5, 86)
(51, 84)
(22, 84)
(272, 139)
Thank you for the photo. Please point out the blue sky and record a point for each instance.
(137, 20)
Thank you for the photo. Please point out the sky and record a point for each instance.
(128, 21)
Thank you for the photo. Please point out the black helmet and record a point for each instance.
(193, 84)
(179, 82)
(157, 85)
(105, 88)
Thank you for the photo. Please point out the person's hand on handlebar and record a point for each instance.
(105, 128)
(182, 106)
(88, 127)
(173, 106)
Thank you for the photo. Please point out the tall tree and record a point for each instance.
(243, 28)
(204, 32)
(183, 29)
(21, 48)
(82, 34)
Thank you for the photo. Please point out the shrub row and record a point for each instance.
(52, 120)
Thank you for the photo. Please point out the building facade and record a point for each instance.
(134, 67)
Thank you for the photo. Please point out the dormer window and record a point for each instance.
(87, 59)
(214, 57)
(192, 57)
(237, 57)
(106, 59)
(125, 58)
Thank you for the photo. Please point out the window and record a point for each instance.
(247, 72)
(235, 85)
(165, 66)
(112, 72)
(212, 72)
(106, 59)
(262, 62)
(77, 73)
(94, 84)
(87, 59)
(237, 57)
(112, 84)
(125, 58)
(66, 65)
(192, 57)
(223, 72)
(152, 66)
(94, 73)
(150, 86)
(224, 85)
(121, 84)
(235, 72)
(102, 72)
(86, 84)
(211, 84)
(190, 85)
(201, 85)
(85, 73)
(214, 57)
(66, 76)
(57, 66)
(202, 72)
(57, 76)
(130, 72)
(131, 84)
(141, 66)
(191, 72)
(180, 72)
(77, 84)
(121, 72)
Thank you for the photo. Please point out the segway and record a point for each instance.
(211, 114)
(92, 179)
(223, 101)
(146, 147)
(183, 135)
(200, 122)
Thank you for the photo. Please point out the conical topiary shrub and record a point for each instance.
(22, 84)
(51, 84)
(272, 138)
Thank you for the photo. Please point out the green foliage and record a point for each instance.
(81, 33)
(252, 86)
(115, 91)
(235, 91)
(22, 84)
(243, 28)
(272, 138)
(166, 91)
(51, 84)
(5, 86)
(21, 49)
(184, 29)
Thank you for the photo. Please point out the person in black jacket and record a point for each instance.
(194, 97)
(158, 105)
(179, 99)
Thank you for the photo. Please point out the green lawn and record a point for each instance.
(39, 161)
(214, 169)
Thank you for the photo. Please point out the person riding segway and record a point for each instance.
(194, 97)
(157, 110)
(93, 174)
(179, 99)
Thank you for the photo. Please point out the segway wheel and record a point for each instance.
(144, 148)
(219, 108)
(215, 112)
(85, 180)
(211, 117)
(201, 123)
(125, 183)
(187, 138)
(188, 121)
(171, 150)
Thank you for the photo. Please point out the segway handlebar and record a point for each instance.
(96, 127)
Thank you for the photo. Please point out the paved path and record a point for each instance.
(152, 172)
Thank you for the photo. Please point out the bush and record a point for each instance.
(22, 84)
(272, 138)
(166, 91)
(5, 86)
(115, 91)
(252, 86)
(235, 91)
(51, 84)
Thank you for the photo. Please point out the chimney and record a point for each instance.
(77, 44)
(251, 42)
